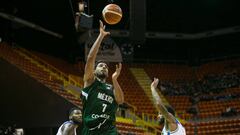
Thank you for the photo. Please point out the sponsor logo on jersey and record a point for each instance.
(95, 116)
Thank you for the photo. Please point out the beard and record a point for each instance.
(161, 120)
(77, 122)
(101, 75)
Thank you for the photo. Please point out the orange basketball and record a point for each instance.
(112, 14)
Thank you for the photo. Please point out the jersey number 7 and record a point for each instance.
(104, 107)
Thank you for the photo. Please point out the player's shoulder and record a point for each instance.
(67, 123)
(181, 129)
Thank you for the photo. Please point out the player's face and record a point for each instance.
(77, 116)
(101, 70)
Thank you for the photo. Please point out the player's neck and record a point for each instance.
(75, 124)
(103, 80)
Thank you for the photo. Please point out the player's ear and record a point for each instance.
(94, 72)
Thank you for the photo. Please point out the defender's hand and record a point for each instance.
(155, 83)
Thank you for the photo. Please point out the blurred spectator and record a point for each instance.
(229, 112)
(192, 110)
(130, 133)
(8, 130)
(208, 85)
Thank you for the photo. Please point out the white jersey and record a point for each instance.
(179, 131)
(60, 128)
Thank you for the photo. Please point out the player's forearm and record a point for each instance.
(92, 57)
(94, 49)
(155, 95)
(118, 93)
(158, 102)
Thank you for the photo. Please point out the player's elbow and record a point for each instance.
(120, 100)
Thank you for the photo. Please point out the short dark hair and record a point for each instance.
(170, 109)
(73, 109)
(100, 61)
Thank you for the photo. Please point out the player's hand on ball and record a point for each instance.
(118, 71)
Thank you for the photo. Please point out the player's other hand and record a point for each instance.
(155, 83)
(118, 71)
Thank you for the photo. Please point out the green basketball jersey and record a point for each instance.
(99, 107)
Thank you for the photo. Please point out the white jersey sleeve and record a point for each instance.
(60, 131)
(179, 131)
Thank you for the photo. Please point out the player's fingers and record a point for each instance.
(120, 66)
(101, 24)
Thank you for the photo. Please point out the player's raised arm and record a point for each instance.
(158, 102)
(89, 67)
(119, 96)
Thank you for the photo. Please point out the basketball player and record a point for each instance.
(100, 100)
(69, 127)
(166, 114)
